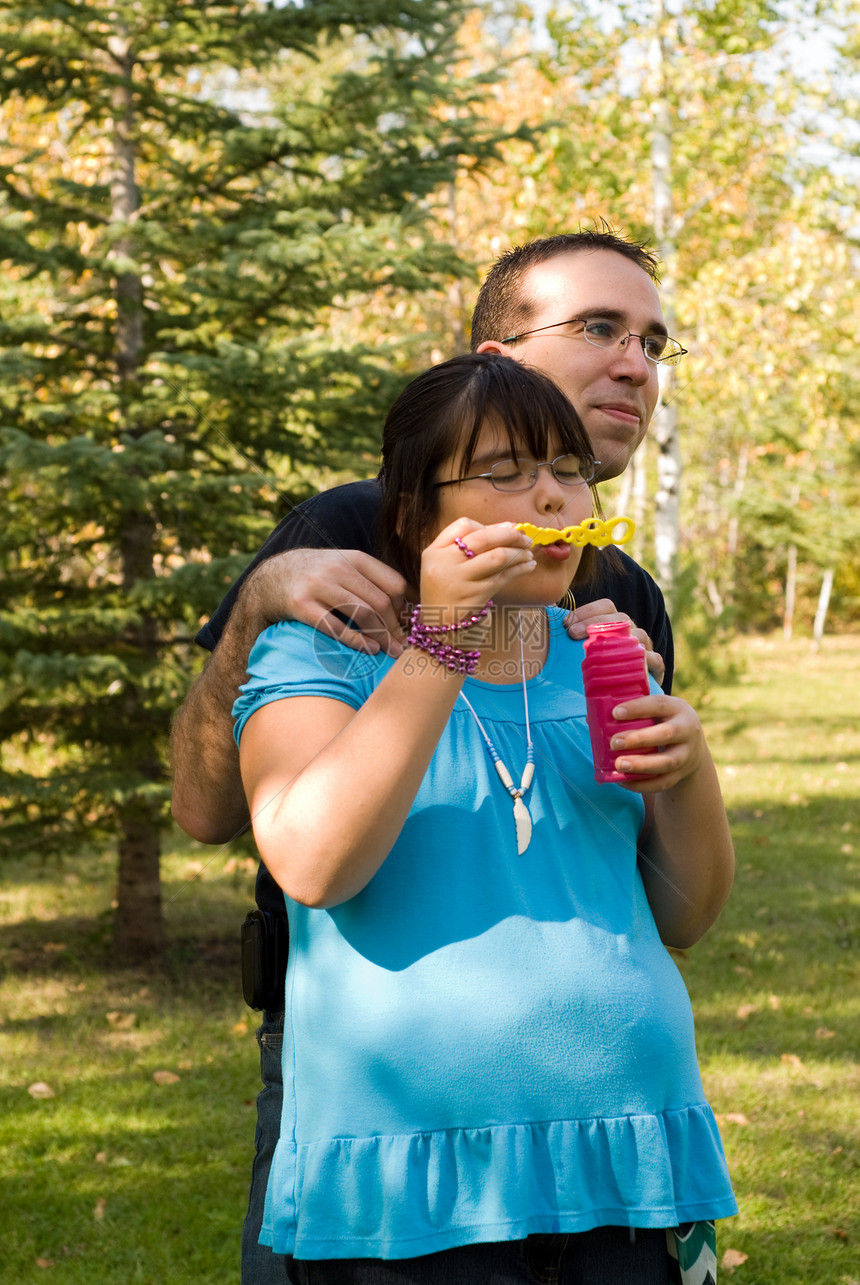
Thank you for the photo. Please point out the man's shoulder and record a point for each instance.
(365, 494)
(619, 576)
(342, 517)
(630, 567)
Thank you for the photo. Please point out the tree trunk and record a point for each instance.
(790, 579)
(733, 534)
(125, 202)
(823, 604)
(139, 925)
(639, 492)
(714, 597)
(790, 593)
(667, 515)
(455, 289)
(632, 497)
(733, 528)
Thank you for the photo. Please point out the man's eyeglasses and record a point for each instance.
(603, 332)
(521, 474)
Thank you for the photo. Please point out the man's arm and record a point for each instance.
(300, 584)
(208, 799)
(687, 859)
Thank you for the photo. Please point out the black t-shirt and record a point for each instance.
(345, 518)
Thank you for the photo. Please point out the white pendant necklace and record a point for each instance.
(522, 816)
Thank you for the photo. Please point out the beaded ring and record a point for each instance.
(463, 546)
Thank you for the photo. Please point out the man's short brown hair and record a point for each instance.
(504, 309)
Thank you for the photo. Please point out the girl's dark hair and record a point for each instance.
(442, 413)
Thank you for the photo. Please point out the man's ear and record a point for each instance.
(495, 345)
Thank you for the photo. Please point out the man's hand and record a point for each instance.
(603, 612)
(310, 585)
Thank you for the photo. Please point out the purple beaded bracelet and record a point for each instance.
(426, 639)
(416, 622)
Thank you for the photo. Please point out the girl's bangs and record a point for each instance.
(527, 423)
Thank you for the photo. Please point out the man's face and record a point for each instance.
(613, 389)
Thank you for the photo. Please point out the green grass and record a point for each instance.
(119, 1178)
(775, 983)
(116, 1177)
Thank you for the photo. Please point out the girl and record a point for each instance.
(489, 1061)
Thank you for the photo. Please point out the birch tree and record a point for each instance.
(697, 126)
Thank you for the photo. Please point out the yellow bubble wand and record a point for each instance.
(591, 531)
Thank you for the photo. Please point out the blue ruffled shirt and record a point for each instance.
(482, 1045)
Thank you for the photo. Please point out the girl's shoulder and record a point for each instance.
(291, 659)
(293, 648)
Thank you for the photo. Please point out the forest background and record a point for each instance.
(231, 232)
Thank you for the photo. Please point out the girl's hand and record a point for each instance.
(453, 583)
(677, 733)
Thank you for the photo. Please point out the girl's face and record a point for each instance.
(549, 503)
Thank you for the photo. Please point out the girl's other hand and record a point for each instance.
(676, 736)
(456, 577)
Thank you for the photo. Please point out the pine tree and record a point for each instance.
(186, 193)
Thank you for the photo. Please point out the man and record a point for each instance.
(583, 308)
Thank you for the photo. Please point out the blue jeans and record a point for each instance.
(259, 1265)
(605, 1256)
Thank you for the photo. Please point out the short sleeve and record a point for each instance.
(291, 659)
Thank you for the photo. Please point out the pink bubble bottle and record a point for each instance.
(613, 671)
